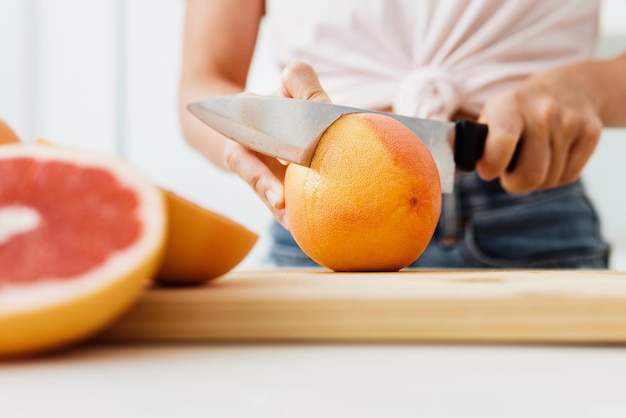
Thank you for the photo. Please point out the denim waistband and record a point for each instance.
(477, 195)
(472, 195)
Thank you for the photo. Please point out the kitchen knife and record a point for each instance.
(290, 129)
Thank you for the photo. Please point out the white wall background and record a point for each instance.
(103, 74)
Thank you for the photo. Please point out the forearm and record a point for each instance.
(201, 137)
(218, 44)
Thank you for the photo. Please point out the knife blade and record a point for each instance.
(290, 129)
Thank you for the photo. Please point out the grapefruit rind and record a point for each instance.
(39, 317)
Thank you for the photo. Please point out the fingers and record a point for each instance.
(264, 175)
(299, 81)
(505, 128)
(566, 127)
(536, 152)
(582, 150)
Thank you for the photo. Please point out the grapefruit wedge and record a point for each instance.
(81, 235)
(201, 245)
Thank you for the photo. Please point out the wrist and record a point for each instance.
(609, 90)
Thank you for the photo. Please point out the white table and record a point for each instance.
(324, 380)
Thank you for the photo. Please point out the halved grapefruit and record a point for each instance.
(202, 245)
(81, 235)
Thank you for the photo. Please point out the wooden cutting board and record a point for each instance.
(454, 306)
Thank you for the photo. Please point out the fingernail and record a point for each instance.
(284, 221)
(272, 197)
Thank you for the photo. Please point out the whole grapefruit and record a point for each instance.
(81, 235)
(371, 199)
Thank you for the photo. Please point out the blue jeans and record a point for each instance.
(482, 226)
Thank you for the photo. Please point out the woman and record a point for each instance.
(523, 68)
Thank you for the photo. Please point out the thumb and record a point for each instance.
(299, 81)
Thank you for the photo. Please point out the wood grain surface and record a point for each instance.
(545, 306)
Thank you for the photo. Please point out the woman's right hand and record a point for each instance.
(263, 173)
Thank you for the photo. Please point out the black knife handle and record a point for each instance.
(469, 145)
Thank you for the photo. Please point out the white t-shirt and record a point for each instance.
(429, 58)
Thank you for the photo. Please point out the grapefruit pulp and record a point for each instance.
(202, 245)
(81, 235)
